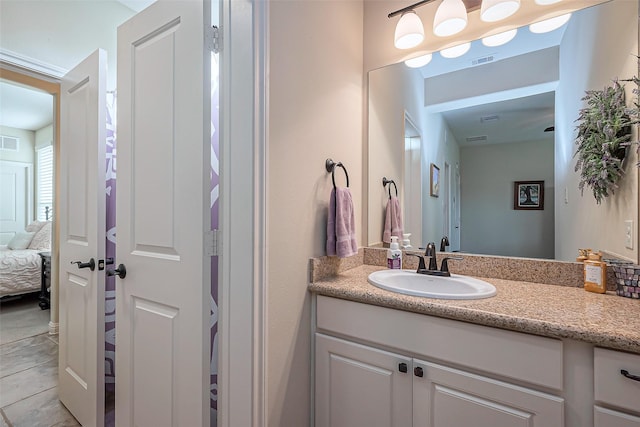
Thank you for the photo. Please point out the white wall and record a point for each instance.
(489, 224)
(439, 147)
(316, 91)
(582, 221)
(392, 91)
(62, 33)
(27, 141)
(44, 136)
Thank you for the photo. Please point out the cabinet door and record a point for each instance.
(607, 418)
(358, 385)
(447, 397)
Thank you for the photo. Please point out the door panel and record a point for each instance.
(358, 385)
(16, 189)
(82, 237)
(162, 305)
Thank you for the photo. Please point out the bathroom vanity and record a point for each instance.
(533, 355)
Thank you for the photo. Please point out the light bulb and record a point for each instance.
(419, 61)
(500, 38)
(450, 19)
(409, 31)
(549, 24)
(497, 10)
(456, 51)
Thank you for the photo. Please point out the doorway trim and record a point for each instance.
(51, 85)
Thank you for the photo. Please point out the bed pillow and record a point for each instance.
(35, 226)
(42, 239)
(21, 240)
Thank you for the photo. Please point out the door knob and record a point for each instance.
(121, 271)
(90, 265)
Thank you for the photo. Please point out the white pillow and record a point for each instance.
(42, 239)
(21, 240)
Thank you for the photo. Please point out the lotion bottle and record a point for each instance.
(394, 254)
(595, 274)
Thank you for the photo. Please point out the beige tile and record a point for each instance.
(3, 422)
(20, 385)
(43, 409)
(27, 353)
(22, 318)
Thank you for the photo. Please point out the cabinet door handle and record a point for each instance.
(418, 372)
(626, 373)
(402, 367)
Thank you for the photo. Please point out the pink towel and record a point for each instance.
(392, 220)
(341, 225)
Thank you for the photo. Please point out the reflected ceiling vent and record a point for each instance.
(481, 138)
(489, 119)
(482, 60)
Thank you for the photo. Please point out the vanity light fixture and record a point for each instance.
(497, 10)
(450, 19)
(549, 25)
(419, 61)
(500, 38)
(546, 2)
(456, 51)
(409, 31)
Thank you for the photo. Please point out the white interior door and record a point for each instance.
(162, 305)
(82, 237)
(16, 195)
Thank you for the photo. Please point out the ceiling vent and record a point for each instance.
(489, 119)
(482, 60)
(477, 138)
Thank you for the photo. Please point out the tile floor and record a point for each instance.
(29, 368)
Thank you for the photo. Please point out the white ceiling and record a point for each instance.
(24, 108)
(520, 119)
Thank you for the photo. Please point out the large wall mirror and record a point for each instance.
(495, 117)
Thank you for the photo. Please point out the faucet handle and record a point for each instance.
(421, 265)
(445, 263)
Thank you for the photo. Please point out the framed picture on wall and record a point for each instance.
(435, 180)
(528, 195)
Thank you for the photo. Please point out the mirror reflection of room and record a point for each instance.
(495, 116)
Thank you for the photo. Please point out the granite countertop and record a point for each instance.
(605, 320)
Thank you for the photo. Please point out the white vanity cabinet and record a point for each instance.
(616, 396)
(439, 373)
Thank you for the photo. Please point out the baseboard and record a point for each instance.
(54, 328)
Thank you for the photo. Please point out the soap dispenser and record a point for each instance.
(595, 273)
(394, 254)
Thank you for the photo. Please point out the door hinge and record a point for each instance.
(212, 39)
(211, 243)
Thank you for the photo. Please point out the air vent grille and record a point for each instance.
(483, 60)
(490, 118)
(481, 138)
(9, 143)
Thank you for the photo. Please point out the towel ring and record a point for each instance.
(386, 181)
(331, 166)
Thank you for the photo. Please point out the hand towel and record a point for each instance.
(341, 224)
(392, 220)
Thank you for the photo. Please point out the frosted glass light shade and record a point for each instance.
(500, 38)
(450, 19)
(497, 10)
(419, 61)
(549, 24)
(546, 2)
(409, 31)
(456, 51)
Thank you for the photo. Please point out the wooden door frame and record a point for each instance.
(51, 85)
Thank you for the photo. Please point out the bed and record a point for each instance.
(20, 269)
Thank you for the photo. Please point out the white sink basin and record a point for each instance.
(411, 283)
